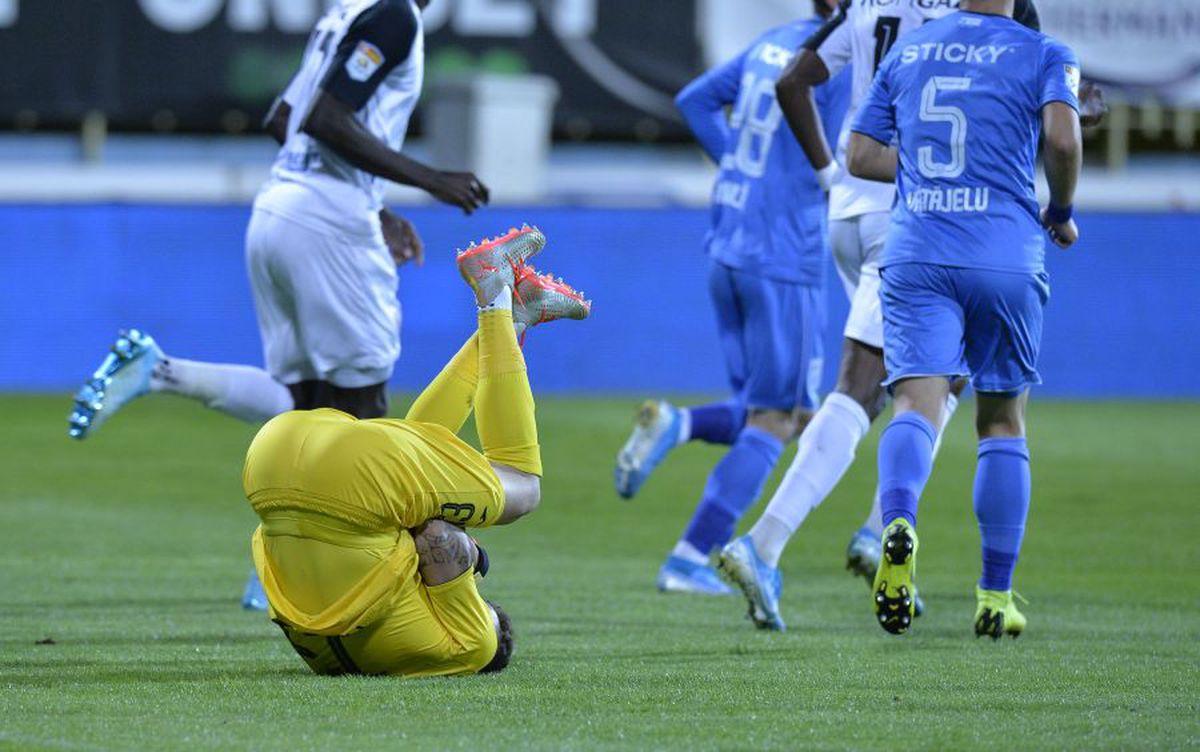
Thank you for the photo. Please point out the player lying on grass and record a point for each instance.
(964, 281)
(767, 253)
(321, 249)
(359, 550)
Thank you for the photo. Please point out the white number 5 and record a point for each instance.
(932, 112)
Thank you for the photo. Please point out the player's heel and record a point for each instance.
(894, 594)
(989, 623)
(997, 615)
(898, 545)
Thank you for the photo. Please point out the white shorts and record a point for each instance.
(857, 248)
(326, 302)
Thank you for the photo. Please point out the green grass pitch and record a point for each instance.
(129, 552)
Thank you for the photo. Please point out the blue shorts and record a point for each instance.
(949, 321)
(771, 334)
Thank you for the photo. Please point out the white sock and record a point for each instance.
(947, 414)
(874, 521)
(241, 391)
(685, 425)
(825, 451)
(688, 552)
(502, 301)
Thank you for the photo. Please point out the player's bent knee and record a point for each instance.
(802, 417)
(1000, 415)
(861, 376)
(780, 424)
(923, 394)
(871, 398)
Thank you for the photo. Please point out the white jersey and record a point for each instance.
(866, 30)
(370, 55)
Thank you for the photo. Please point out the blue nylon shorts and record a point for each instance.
(771, 334)
(950, 321)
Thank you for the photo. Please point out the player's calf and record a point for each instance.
(860, 375)
(783, 425)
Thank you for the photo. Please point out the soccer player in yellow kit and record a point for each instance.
(361, 549)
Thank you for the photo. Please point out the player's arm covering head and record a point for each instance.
(379, 39)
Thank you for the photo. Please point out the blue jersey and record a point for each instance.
(962, 97)
(768, 212)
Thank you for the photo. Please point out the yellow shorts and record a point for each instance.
(414, 630)
(380, 474)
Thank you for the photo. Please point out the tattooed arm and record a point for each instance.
(443, 552)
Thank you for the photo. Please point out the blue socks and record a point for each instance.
(732, 488)
(1002, 491)
(905, 462)
(718, 423)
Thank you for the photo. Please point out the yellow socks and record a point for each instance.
(504, 408)
(487, 374)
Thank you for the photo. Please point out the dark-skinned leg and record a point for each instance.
(826, 449)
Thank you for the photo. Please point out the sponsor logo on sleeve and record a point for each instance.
(1072, 74)
(363, 63)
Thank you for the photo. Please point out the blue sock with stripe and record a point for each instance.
(1002, 490)
(905, 462)
(732, 488)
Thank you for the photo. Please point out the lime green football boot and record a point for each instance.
(893, 591)
(996, 614)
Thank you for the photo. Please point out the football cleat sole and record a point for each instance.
(115, 382)
(862, 560)
(655, 434)
(893, 591)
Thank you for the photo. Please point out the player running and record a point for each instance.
(860, 35)
(964, 283)
(360, 567)
(320, 243)
(321, 249)
(767, 251)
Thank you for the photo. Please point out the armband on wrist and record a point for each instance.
(827, 175)
(1057, 215)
